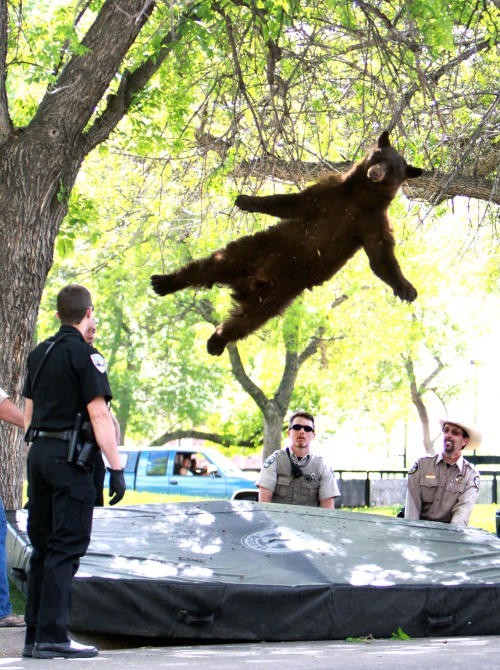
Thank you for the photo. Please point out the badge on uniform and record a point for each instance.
(413, 468)
(460, 479)
(98, 362)
(476, 481)
(269, 460)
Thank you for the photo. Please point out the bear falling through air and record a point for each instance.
(322, 227)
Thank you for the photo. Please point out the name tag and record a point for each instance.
(430, 476)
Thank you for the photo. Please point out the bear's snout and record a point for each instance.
(376, 173)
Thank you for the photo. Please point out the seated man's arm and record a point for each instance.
(413, 503)
(328, 489)
(327, 503)
(463, 507)
(265, 495)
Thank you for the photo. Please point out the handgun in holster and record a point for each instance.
(82, 445)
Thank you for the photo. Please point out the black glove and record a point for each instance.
(117, 485)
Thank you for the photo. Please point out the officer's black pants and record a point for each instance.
(60, 507)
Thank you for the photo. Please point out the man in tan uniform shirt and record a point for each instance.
(444, 487)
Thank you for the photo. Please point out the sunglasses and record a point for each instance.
(297, 427)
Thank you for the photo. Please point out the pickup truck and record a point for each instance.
(205, 473)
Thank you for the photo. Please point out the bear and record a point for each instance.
(322, 227)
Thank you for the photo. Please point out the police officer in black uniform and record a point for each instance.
(66, 385)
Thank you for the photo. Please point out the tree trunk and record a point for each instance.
(38, 168)
(273, 431)
(274, 409)
(417, 392)
(12, 457)
(31, 170)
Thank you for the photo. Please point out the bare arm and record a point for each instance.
(11, 413)
(327, 503)
(116, 426)
(265, 495)
(28, 413)
(104, 431)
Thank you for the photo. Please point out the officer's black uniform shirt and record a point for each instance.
(73, 374)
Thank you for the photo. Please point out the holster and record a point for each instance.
(82, 445)
(29, 436)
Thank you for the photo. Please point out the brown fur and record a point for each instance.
(322, 228)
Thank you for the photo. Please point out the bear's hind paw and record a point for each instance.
(216, 345)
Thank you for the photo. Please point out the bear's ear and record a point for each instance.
(383, 140)
(413, 172)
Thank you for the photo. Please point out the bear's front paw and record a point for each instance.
(162, 284)
(406, 292)
(245, 202)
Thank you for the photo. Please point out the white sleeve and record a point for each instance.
(269, 473)
(328, 486)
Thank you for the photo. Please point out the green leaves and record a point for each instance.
(435, 20)
(249, 99)
(400, 635)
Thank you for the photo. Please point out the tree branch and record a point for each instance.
(257, 395)
(70, 104)
(225, 440)
(430, 186)
(5, 120)
(119, 103)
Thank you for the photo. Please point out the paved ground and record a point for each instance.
(460, 653)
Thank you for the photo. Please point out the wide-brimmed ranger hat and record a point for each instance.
(473, 433)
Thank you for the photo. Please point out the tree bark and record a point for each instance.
(417, 393)
(38, 168)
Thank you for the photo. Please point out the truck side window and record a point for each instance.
(204, 466)
(157, 463)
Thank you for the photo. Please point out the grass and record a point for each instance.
(483, 516)
(17, 599)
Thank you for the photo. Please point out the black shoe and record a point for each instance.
(28, 650)
(70, 649)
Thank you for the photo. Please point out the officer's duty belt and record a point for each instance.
(55, 434)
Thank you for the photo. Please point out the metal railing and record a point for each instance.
(368, 475)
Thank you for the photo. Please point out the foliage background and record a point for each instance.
(262, 97)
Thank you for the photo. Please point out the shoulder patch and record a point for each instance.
(269, 461)
(413, 468)
(98, 362)
(476, 481)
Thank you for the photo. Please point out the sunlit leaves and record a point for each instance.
(288, 81)
(434, 19)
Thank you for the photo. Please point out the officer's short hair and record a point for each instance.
(72, 303)
(303, 414)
